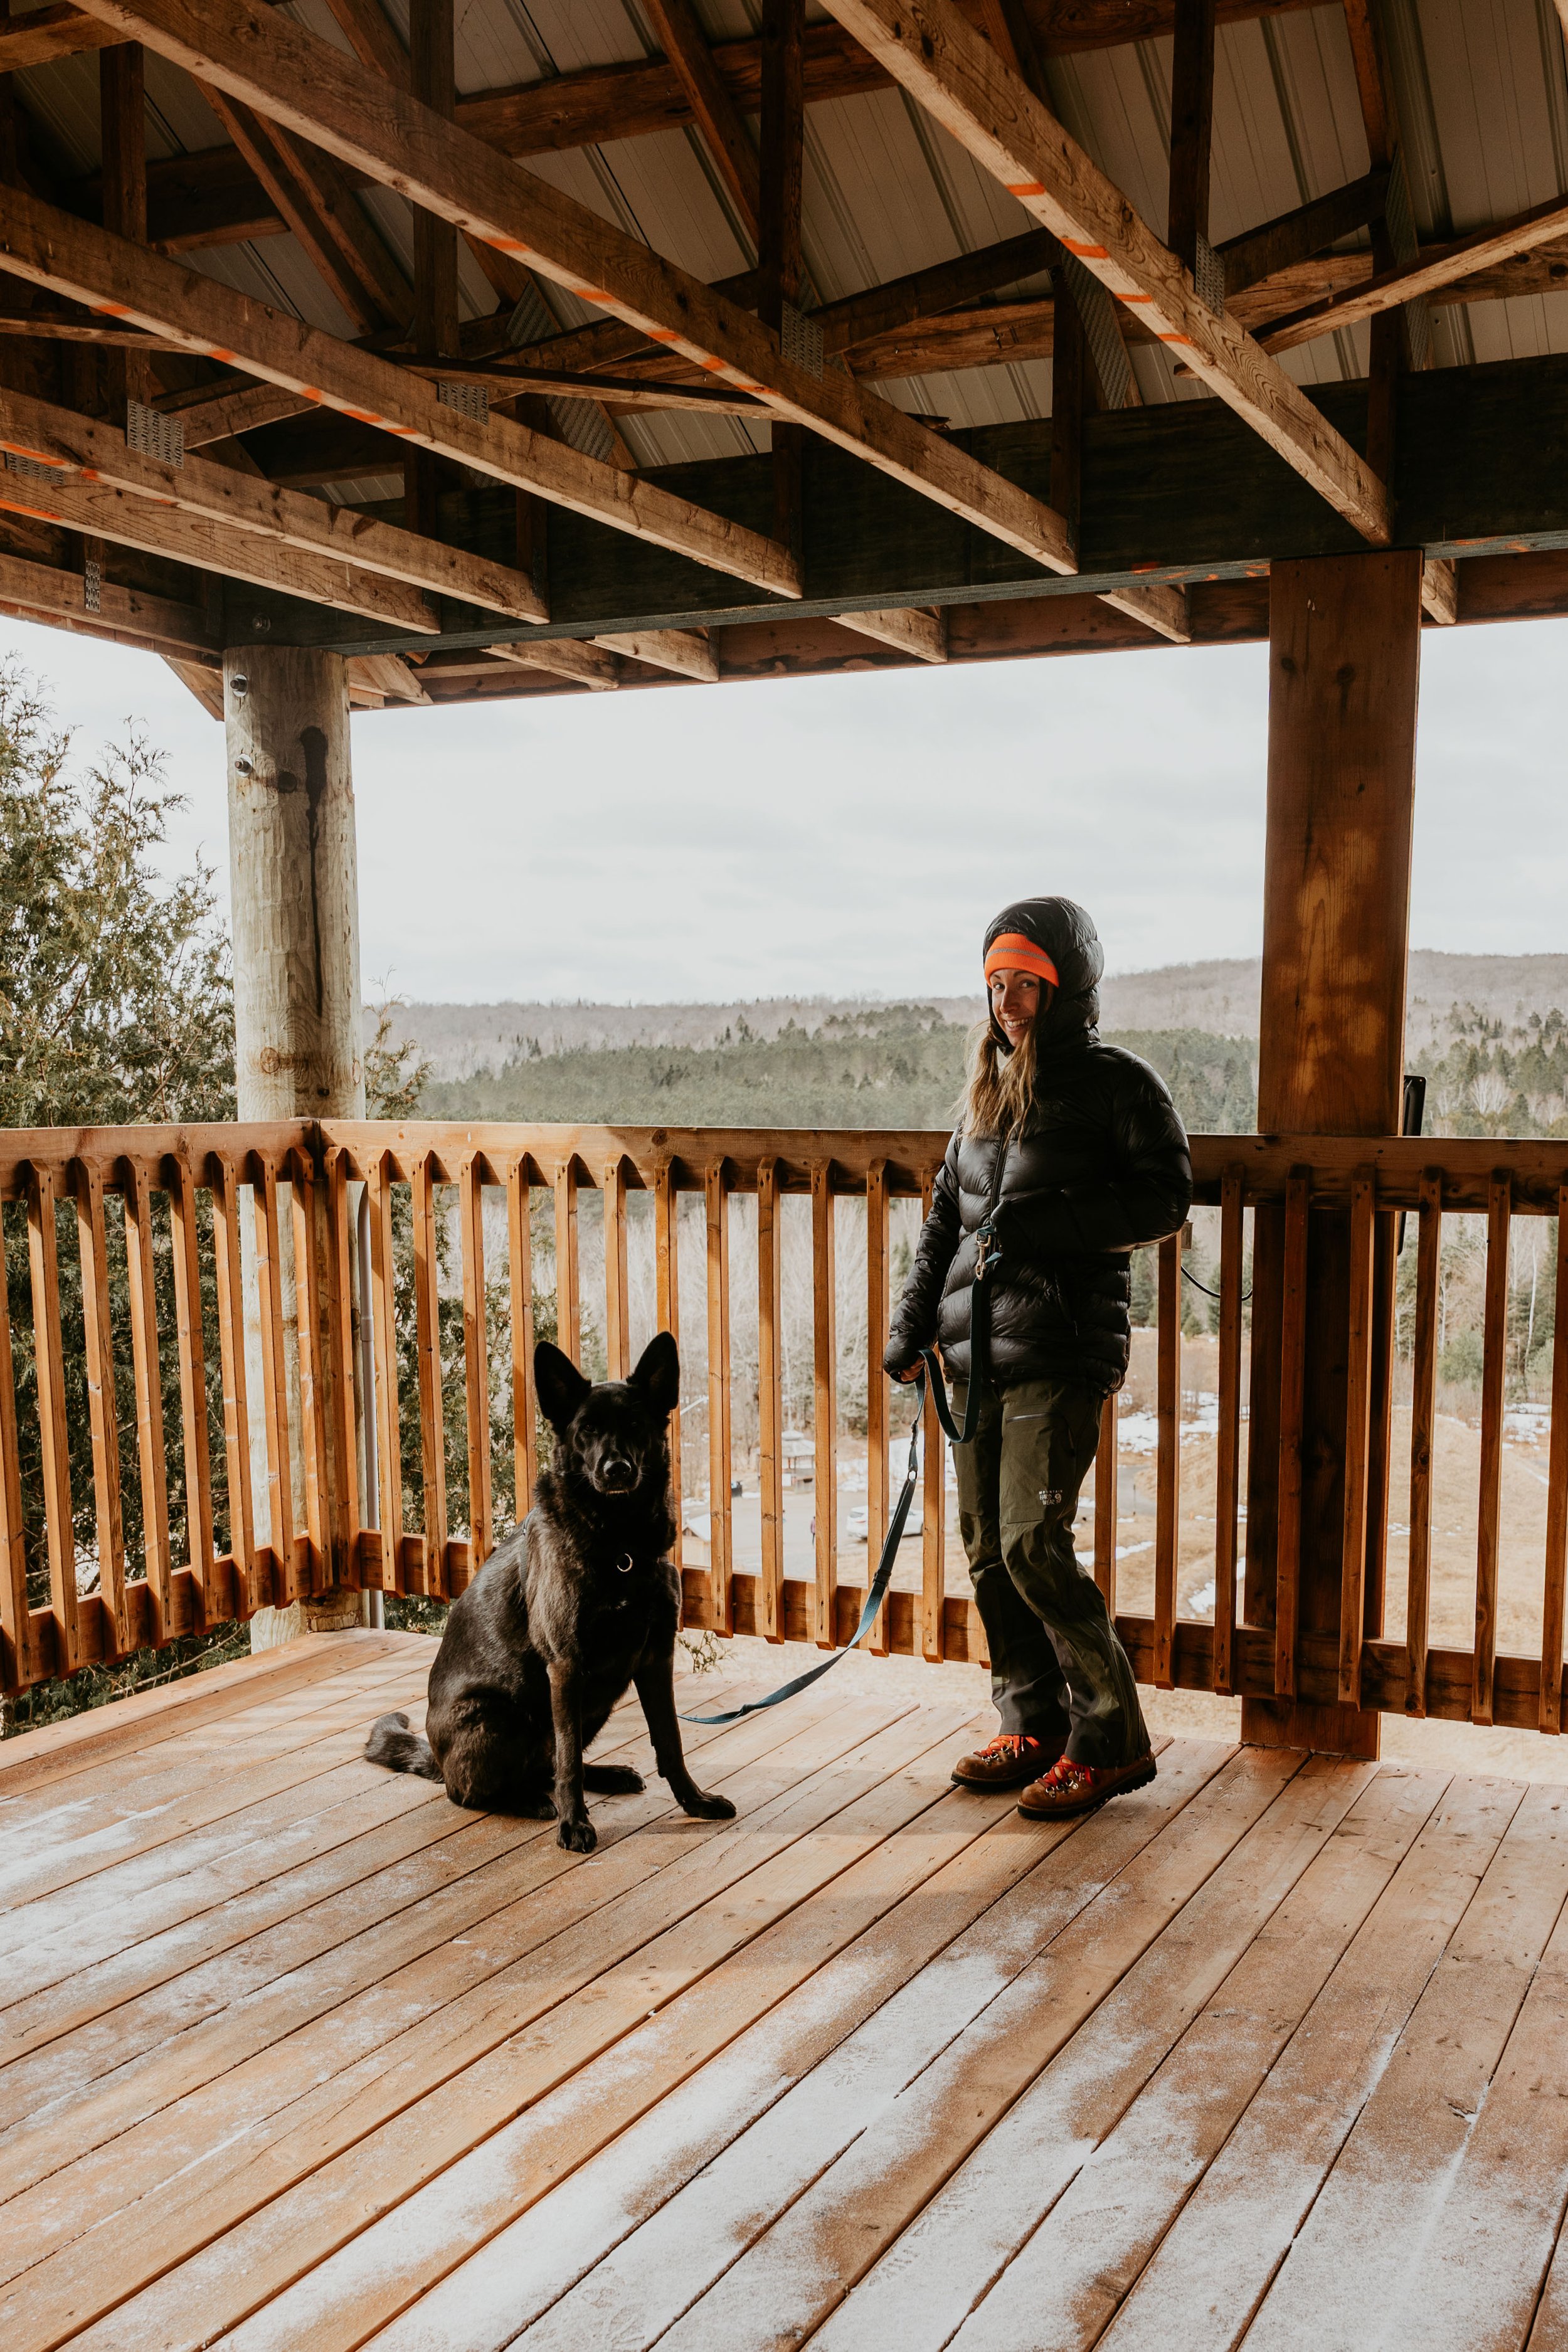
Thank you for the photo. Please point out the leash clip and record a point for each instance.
(987, 1250)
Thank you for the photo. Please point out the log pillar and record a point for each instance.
(1345, 659)
(299, 1050)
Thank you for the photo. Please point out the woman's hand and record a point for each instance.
(901, 1360)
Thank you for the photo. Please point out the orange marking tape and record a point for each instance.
(662, 335)
(1029, 188)
(1136, 298)
(311, 391)
(591, 294)
(112, 310)
(216, 352)
(38, 456)
(507, 243)
(363, 416)
(1086, 252)
(1177, 339)
(37, 514)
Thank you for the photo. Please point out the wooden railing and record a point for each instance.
(274, 1361)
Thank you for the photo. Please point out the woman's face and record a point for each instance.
(1015, 1000)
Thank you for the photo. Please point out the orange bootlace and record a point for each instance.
(1007, 1743)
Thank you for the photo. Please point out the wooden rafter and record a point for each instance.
(714, 111)
(202, 315)
(302, 82)
(958, 77)
(314, 199)
(1439, 268)
(38, 431)
(130, 615)
(909, 628)
(208, 415)
(569, 657)
(688, 652)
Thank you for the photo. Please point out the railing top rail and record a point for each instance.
(1536, 1171)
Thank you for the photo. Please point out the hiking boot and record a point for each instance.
(1006, 1762)
(1070, 1788)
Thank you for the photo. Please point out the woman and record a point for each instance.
(1074, 1153)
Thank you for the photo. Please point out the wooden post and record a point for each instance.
(1343, 667)
(432, 77)
(297, 1000)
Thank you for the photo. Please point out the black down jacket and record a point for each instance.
(1099, 1165)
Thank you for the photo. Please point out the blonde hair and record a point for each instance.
(1001, 1088)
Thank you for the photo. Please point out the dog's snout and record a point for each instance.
(618, 1474)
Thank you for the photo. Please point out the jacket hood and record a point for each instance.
(1065, 933)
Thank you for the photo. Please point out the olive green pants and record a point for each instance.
(1056, 1663)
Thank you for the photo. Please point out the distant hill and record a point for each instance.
(1219, 996)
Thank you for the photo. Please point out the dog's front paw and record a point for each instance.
(577, 1837)
(704, 1808)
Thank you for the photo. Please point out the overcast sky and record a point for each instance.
(854, 834)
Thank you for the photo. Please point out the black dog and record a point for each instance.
(580, 1602)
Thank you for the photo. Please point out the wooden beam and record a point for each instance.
(373, 38)
(570, 658)
(207, 684)
(1191, 132)
(56, 31)
(957, 77)
(688, 652)
(202, 315)
(122, 118)
(908, 628)
(1275, 245)
(508, 381)
(135, 521)
(779, 236)
(99, 453)
(680, 34)
(296, 80)
(1440, 590)
(207, 415)
(1438, 266)
(47, 594)
(387, 677)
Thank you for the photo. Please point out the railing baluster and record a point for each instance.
(520, 1275)
(1105, 1505)
(98, 1331)
(226, 1264)
(312, 1378)
(824, 1405)
(336, 1256)
(19, 1662)
(1292, 1409)
(933, 1563)
(770, 1399)
(568, 1296)
(876, 1387)
(476, 1363)
(1551, 1713)
(1494, 1364)
(1168, 1461)
(666, 1306)
(48, 1357)
(388, 1411)
(1358, 1431)
(146, 1374)
(1423, 1428)
(427, 1341)
(618, 1311)
(1227, 1444)
(187, 1268)
(720, 1587)
(285, 1583)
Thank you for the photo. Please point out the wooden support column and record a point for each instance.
(298, 1051)
(1192, 125)
(1344, 634)
(434, 81)
(779, 247)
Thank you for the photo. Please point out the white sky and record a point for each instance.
(854, 834)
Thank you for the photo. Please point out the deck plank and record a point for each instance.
(464, 1997)
(1215, 2264)
(669, 2104)
(1029, 2264)
(1258, 1823)
(523, 1891)
(1352, 2267)
(294, 2053)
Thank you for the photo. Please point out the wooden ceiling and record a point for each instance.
(353, 373)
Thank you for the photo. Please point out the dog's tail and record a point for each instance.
(401, 1751)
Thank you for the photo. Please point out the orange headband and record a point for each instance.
(1011, 951)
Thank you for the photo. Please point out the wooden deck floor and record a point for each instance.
(293, 2054)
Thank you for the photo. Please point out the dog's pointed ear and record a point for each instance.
(561, 1387)
(658, 1373)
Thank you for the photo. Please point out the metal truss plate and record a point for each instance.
(153, 433)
